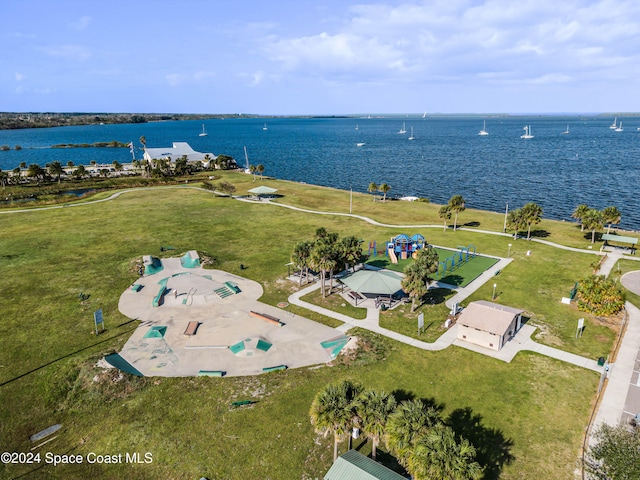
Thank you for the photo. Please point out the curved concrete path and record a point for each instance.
(522, 340)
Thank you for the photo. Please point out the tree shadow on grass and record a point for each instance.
(539, 233)
(452, 279)
(493, 450)
(471, 224)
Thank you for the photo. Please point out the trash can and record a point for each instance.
(383, 307)
(600, 361)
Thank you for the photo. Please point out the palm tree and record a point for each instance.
(532, 213)
(373, 188)
(36, 172)
(439, 455)
(55, 168)
(445, 214)
(384, 188)
(16, 174)
(143, 141)
(350, 250)
(579, 213)
(593, 220)
(80, 172)
(117, 166)
(333, 411)
(516, 221)
(252, 170)
(374, 408)
(4, 178)
(406, 425)
(301, 258)
(456, 205)
(418, 275)
(322, 259)
(70, 164)
(260, 169)
(611, 216)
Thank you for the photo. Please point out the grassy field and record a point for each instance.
(536, 407)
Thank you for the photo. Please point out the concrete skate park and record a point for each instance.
(196, 321)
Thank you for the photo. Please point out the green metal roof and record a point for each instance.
(619, 238)
(355, 466)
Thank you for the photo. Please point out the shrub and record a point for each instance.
(599, 296)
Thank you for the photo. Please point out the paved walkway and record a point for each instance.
(522, 340)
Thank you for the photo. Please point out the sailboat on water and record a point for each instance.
(247, 168)
(619, 129)
(483, 132)
(412, 137)
(203, 133)
(614, 125)
(265, 127)
(403, 129)
(527, 132)
(566, 132)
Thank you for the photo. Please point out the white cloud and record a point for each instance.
(67, 52)
(19, 77)
(81, 23)
(541, 41)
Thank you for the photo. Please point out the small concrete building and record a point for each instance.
(178, 150)
(488, 324)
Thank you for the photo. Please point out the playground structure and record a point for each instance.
(403, 246)
(462, 256)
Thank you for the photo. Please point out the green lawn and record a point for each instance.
(535, 406)
(460, 271)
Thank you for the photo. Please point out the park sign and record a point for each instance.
(580, 327)
(98, 320)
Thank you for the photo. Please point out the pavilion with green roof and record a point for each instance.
(355, 466)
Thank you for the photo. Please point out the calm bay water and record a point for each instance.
(593, 164)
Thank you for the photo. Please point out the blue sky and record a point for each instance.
(320, 57)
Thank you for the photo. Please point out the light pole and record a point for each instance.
(493, 297)
(509, 251)
(506, 213)
(351, 200)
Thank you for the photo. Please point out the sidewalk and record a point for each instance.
(621, 398)
(522, 340)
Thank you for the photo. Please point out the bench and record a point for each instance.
(211, 373)
(274, 369)
(191, 329)
(266, 318)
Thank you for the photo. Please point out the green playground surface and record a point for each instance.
(461, 275)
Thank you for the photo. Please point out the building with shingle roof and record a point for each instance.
(488, 324)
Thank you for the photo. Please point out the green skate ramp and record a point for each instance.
(152, 265)
(120, 363)
(191, 259)
(155, 332)
(334, 345)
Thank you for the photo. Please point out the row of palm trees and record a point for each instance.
(525, 217)
(413, 431)
(326, 253)
(593, 219)
(383, 187)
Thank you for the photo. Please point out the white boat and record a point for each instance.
(359, 144)
(484, 129)
(527, 132)
(357, 127)
(265, 127)
(403, 129)
(412, 137)
(619, 129)
(566, 132)
(614, 125)
(203, 133)
(424, 115)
